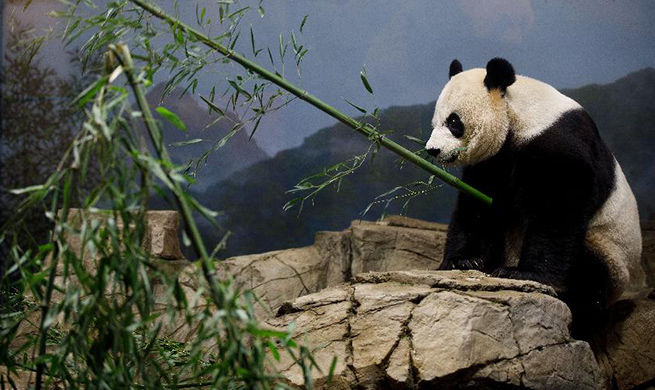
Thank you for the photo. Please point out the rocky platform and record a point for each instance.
(370, 296)
(438, 329)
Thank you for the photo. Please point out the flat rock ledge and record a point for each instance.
(438, 329)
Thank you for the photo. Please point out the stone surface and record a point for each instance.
(324, 329)
(462, 280)
(446, 329)
(382, 247)
(398, 243)
(334, 248)
(161, 238)
(278, 276)
(162, 235)
(398, 371)
(648, 251)
(626, 347)
(452, 332)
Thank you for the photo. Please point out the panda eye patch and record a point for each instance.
(455, 125)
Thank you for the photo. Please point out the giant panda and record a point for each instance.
(563, 213)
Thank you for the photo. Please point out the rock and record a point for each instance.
(277, 276)
(461, 280)
(567, 366)
(399, 366)
(399, 243)
(450, 329)
(334, 249)
(162, 235)
(383, 311)
(325, 330)
(382, 247)
(626, 347)
(452, 332)
(399, 220)
(648, 252)
(562, 366)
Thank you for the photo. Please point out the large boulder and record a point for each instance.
(397, 243)
(446, 329)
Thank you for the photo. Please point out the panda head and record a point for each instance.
(471, 118)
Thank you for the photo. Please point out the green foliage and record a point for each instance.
(78, 326)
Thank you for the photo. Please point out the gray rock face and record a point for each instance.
(626, 347)
(398, 243)
(450, 329)
(648, 251)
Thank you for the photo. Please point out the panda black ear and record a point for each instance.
(500, 74)
(455, 68)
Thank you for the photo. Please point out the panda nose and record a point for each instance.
(434, 152)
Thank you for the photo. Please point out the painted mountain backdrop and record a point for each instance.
(254, 191)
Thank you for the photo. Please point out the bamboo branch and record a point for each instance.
(363, 128)
(125, 58)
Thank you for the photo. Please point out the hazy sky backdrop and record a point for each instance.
(406, 47)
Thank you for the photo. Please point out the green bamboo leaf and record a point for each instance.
(360, 109)
(333, 366)
(294, 42)
(282, 48)
(258, 332)
(270, 57)
(291, 203)
(367, 85)
(171, 117)
(239, 88)
(416, 140)
(274, 351)
(234, 41)
(190, 142)
(212, 93)
(24, 190)
(179, 36)
(238, 13)
(252, 42)
(90, 92)
(302, 24)
(254, 129)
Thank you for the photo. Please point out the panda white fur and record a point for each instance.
(563, 213)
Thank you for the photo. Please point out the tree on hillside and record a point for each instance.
(38, 124)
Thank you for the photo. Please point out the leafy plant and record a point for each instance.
(95, 322)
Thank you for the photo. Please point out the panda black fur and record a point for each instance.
(563, 213)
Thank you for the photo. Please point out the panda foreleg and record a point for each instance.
(551, 248)
(472, 242)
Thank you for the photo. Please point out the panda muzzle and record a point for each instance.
(434, 152)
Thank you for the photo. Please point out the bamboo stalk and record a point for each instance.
(363, 128)
(125, 58)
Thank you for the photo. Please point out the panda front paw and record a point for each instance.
(509, 273)
(463, 264)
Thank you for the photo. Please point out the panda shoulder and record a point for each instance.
(535, 107)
